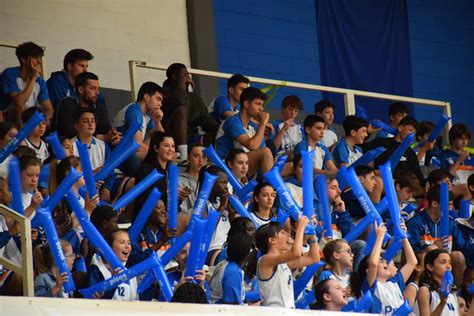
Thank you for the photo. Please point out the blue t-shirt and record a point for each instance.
(230, 131)
(222, 105)
(12, 83)
(133, 114)
(344, 154)
(60, 87)
(448, 157)
(227, 284)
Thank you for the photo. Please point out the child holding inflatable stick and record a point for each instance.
(99, 271)
(425, 228)
(62, 262)
(432, 300)
(34, 140)
(375, 275)
(50, 281)
(273, 268)
(26, 130)
(7, 132)
(31, 198)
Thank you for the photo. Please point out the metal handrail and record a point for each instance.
(349, 94)
(26, 268)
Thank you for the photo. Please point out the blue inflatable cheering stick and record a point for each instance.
(55, 246)
(53, 141)
(87, 169)
(172, 186)
(137, 190)
(308, 189)
(14, 183)
(23, 133)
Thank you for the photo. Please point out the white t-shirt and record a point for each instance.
(329, 138)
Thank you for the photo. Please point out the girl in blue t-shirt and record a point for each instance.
(227, 282)
(375, 274)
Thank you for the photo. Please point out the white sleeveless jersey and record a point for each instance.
(277, 290)
(123, 292)
(260, 221)
(450, 309)
(389, 295)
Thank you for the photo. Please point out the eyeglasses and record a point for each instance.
(349, 251)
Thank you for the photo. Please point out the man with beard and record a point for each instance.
(87, 90)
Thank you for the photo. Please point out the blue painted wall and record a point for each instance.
(442, 51)
(272, 39)
(278, 39)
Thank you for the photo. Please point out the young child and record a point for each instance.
(314, 130)
(396, 112)
(7, 132)
(85, 125)
(430, 300)
(188, 180)
(375, 275)
(366, 176)
(424, 227)
(325, 109)
(280, 255)
(58, 173)
(218, 200)
(348, 149)
(329, 295)
(262, 207)
(30, 168)
(287, 132)
(408, 160)
(238, 163)
(48, 281)
(34, 140)
(227, 282)
(100, 270)
(457, 159)
(339, 259)
(155, 235)
(226, 106)
(412, 287)
(65, 227)
(44, 177)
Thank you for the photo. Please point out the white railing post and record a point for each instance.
(26, 268)
(349, 103)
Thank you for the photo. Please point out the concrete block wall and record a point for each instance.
(114, 31)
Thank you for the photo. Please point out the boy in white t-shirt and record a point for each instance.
(84, 124)
(287, 132)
